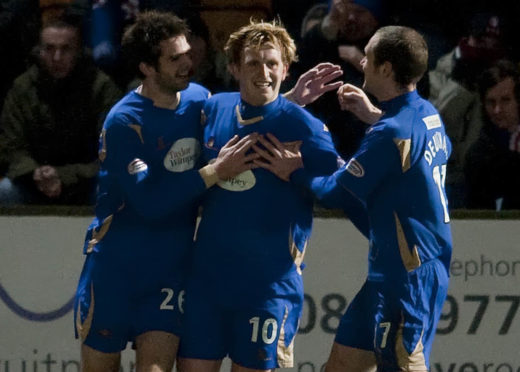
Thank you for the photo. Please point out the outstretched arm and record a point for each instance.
(312, 84)
(153, 193)
(284, 161)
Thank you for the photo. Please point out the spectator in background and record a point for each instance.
(203, 56)
(314, 16)
(51, 120)
(340, 38)
(453, 91)
(20, 23)
(492, 163)
(341, 35)
(19, 26)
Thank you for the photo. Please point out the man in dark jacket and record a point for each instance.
(51, 119)
(492, 163)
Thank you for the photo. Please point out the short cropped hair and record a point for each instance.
(256, 34)
(405, 49)
(65, 21)
(141, 41)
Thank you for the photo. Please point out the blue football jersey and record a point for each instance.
(398, 173)
(256, 226)
(149, 184)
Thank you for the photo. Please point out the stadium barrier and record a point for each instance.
(41, 259)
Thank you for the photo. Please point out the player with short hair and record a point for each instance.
(132, 284)
(398, 175)
(245, 292)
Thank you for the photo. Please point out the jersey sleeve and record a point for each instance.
(153, 194)
(318, 153)
(321, 161)
(349, 187)
(332, 195)
(376, 158)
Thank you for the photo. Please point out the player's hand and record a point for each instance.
(280, 158)
(314, 83)
(355, 100)
(234, 158)
(47, 181)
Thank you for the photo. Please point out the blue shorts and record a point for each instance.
(255, 327)
(120, 298)
(397, 321)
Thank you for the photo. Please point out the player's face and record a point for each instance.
(501, 105)
(174, 67)
(372, 72)
(260, 74)
(59, 51)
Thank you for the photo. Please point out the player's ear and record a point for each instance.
(146, 69)
(285, 71)
(234, 70)
(387, 69)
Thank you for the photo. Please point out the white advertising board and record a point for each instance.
(40, 261)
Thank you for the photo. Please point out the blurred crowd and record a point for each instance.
(63, 69)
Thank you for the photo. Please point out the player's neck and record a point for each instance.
(392, 91)
(160, 98)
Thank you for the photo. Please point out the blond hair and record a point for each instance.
(256, 34)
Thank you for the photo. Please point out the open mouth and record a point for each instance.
(184, 75)
(263, 84)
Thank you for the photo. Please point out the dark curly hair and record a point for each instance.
(141, 41)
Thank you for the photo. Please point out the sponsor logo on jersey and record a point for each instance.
(183, 155)
(244, 181)
(136, 166)
(432, 121)
(355, 168)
